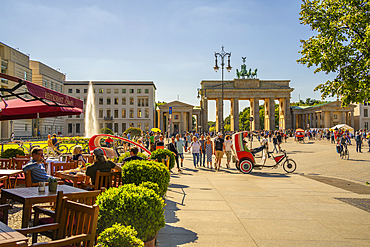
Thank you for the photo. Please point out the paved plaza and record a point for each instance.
(269, 207)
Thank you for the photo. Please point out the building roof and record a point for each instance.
(105, 83)
(309, 106)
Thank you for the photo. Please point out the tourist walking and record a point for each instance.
(195, 150)
(279, 140)
(228, 150)
(202, 158)
(275, 142)
(209, 148)
(358, 140)
(172, 148)
(50, 146)
(219, 148)
(180, 146)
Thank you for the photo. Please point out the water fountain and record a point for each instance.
(91, 122)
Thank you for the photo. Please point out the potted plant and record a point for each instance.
(119, 235)
(138, 171)
(161, 154)
(53, 184)
(132, 205)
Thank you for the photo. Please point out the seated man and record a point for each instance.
(37, 166)
(133, 155)
(264, 144)
(101, 164)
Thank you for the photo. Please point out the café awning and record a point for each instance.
(19, 109)
(36, 92)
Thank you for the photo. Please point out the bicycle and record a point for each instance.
(84, 145)
(23, 148)
(344, 152)
(58, 149)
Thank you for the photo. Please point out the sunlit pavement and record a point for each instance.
(269, 207)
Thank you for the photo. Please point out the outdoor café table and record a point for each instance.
(9, 236)
(10, 173)
(31, 195)
(78, 177)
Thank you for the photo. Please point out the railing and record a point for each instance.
(108, 118)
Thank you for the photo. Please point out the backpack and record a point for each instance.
(218, 144)
(339, 148)
(357, 138)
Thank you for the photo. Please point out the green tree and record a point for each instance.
(156, 113)
(341, 46)
(308, 102)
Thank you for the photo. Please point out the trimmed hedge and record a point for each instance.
(151, 185)
(127, 154)
(138, 171)
(161, 154)
(119, 235)
(11, 152)
(132, 205)
(106, 131)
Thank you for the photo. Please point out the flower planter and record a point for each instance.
(53, 186)
(151, 242)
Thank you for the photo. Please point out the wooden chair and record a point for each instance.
(6, 163)
(23, 156)
(62, 166)
(107, 180)
(28, 180)
(77, 225)
(4, 207)
(87, 198)
(18, 164)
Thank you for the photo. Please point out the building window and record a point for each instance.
(116, 90)
(108, 101)
(78, 129)
(85, 90)
(139, 125)
(69, 128)
(123, 113)
(176, 117)
(109, 90)
(123, 101)
(139, 91)
(146, 125)
(146, 113)
(366, 113)
(366, 125)
(25, 127)
(100, 125)
(116, 127)
(335, 116)
(77, 90)
(100, 90)
(123, 127)
(131, 101)
(146, 90)
(116, 101)
(108, 113)
(78, 116)
(85, 100)
(139, 113)
(101, 101)
(131, 113)
(100, 113)
(146, 102)
(131, 90)
(139, 102)
(25, 75)
(69, 89)
(115, 113)
(132, 125)
(123, 90)
(69, 116)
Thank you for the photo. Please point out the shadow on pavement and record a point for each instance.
(271, 175)
(295, 151)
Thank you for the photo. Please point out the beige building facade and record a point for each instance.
(119, 105)
(181, 119)
(324, 115)
(362, 117)
(253, 90)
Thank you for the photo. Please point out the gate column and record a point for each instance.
(234, 116)
(255, 113)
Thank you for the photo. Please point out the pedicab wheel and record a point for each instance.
(246, 165)
(289, 166)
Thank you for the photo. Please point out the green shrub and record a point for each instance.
(11, 152)
(119, 235)
(138, 171)
(132, 205)
(161, 154)
(127, 154)
(135, 132)
(150, 185)
(106, 131)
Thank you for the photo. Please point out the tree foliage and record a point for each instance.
(341, 46)
(308, 102)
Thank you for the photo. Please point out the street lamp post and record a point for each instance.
(222, 55)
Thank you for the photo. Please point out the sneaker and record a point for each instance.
(181, 164)
(179, 170)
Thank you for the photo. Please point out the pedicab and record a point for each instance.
(299, 135)
(246, 160)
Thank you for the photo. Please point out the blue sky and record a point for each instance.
(169, 42)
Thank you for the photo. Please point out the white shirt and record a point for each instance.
(228, 145)
(195, 147)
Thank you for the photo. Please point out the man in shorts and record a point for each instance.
(180, 146)
(218, 150)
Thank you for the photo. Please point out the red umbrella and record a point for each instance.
(19, 109)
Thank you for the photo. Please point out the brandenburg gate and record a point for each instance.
(253, 90)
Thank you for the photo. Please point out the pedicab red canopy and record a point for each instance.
(35, 101)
